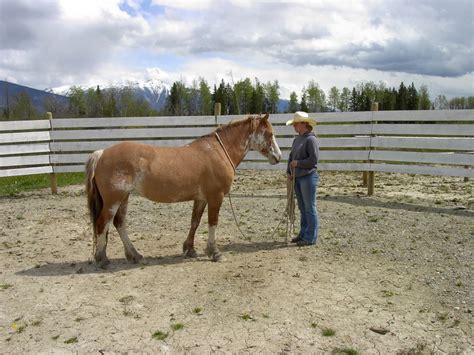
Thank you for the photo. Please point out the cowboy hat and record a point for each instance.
(301, 116)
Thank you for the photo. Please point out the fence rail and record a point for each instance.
(414, 142)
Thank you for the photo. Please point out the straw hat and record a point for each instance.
(301, 116)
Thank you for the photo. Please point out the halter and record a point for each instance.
(225, 150)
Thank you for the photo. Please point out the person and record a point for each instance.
(303, 163)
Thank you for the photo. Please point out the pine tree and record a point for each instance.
(412, 98)
(354, 101)
(258, 98)
(402, 98)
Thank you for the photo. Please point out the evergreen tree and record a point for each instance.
(402, 98)
(412, 98)
(176, 104)
(354, 101)
(258, 98)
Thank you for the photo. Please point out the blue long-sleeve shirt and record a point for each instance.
(305, 150)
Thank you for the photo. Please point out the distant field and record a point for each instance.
(15, 184)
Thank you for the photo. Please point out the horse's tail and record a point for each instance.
(94, 199)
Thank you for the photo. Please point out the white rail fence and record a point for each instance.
(414, 142)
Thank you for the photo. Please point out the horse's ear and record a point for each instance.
(265, 118)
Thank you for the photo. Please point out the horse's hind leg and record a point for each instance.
(102, 225)
(213, 215)
(119, 222)
(188, 245)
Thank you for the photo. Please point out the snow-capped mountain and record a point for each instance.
(154, 91)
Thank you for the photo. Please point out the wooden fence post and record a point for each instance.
(52, 177)
(217, 110)
(371, 174)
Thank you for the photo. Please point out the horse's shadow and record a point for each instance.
(121, 264)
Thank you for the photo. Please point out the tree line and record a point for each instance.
(243, 97)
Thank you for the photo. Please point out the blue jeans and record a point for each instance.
(305, 190)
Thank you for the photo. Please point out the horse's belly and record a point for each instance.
(168, 192)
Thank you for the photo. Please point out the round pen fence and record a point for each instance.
(413, 142)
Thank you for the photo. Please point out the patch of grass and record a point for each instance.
(36, 323)
(159, 335)
(246, 317)
(56, 337)
(374, 219)
(13, 185)
(177, 326)
(72, 340)
(79, 319)
(442, 316)
(314, 325)
(5, 286)
(387, 293)
(328, 332)
(126, 299)
(197, 310)
(20, 328)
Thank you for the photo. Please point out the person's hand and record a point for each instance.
(293, 164)
(289, 177)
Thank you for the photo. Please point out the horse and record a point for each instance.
(202, 171)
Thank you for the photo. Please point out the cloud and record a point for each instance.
(61, 42)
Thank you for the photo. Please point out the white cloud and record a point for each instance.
(335, 43)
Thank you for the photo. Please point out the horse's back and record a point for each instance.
(163, 174)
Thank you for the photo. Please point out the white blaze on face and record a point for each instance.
(259, 143)
(275, 150)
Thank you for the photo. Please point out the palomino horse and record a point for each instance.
(202, 171)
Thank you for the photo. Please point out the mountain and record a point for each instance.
(153, 91)
(41, 99)
(283, 105)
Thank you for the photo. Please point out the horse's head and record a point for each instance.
(263, 140)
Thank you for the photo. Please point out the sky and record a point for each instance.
(60, 43)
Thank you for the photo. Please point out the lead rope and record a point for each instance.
(290, 208)
(290, 203)
(230, 200)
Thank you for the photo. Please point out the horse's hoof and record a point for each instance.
(102, 263)
(218, 258)
(209, 252)
(190, 253)
(134, 258)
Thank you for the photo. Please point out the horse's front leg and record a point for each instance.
(188, 245)
(213, 215)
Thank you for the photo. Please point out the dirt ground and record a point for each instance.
(398, 263)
